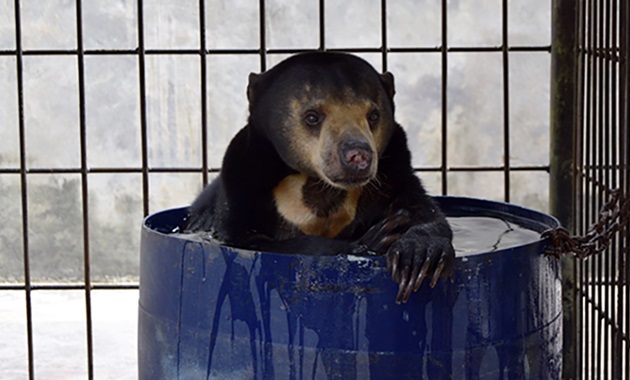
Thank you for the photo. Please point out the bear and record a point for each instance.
(323, 168)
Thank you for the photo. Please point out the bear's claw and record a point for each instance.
(416, 257)
(414, 254)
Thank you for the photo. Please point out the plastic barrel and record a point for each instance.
(213, 312)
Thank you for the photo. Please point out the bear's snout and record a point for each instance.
(356, 157)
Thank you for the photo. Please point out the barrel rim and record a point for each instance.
(151, 225)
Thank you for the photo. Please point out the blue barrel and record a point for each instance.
(213, 312)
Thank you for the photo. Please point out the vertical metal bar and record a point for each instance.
(204, 92)
(263, 40)
(624, 153)
(23, 185)
(606, 173)
(616, 260)
(561, 180)
(384, 45)
(444, 54)
(592, 343)
(605, 178)
(595, 191)
(579, 340)
(587, 122)
(506, 101)
(602, 341)
(143, 108)
(612, 54)
(581, 322)
(584, 218)
(624, 69)
(322, 25)
(84, 191)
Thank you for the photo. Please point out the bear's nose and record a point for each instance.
(356, 155)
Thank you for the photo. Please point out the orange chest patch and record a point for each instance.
(315, 209)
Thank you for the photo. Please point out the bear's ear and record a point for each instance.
(254, 79)
(387, 79)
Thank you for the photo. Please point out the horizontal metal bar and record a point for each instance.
(63, 286)
(106, 170)
(135, 51)
(497, 168)
(530, 48)
(217, 170)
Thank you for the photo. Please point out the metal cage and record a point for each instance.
(590, 143)
(589, 107)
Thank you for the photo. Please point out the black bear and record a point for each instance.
(322, 168)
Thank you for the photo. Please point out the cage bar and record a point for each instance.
(506, 100)
(444, 131)
(84, 193)
(24, 193)
(601, 165)
(143, 108)
(561, 177)
(204, 92)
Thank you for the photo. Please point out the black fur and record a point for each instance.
(394, 215)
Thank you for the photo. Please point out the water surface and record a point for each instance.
(478, 234)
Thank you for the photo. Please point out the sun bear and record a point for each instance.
(322, 168)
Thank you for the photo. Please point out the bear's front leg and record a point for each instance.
(378, 239)
(417, 255)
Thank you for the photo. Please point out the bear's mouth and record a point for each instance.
(349, 181)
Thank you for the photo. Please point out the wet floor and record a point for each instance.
(59, 334)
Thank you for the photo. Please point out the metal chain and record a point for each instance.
(612, 217)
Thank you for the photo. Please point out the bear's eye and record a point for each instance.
(373, 117)
(313, 118)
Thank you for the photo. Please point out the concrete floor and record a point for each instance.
(59, 334)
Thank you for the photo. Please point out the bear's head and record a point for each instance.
(328, 115)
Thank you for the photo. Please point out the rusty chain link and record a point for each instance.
(613, 216)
